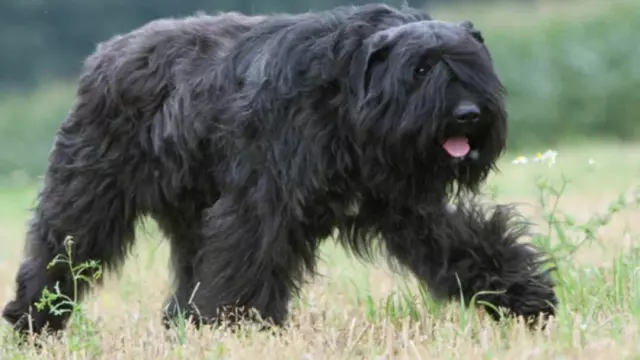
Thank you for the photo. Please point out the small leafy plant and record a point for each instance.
(82, 331)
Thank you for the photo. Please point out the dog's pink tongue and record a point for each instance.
(457, 147)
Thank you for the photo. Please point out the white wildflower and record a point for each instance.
(520, 160)
(548, 156)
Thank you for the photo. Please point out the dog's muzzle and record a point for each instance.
(458, 132)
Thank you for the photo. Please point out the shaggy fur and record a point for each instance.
(249, 139)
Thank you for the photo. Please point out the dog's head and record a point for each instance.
(427, 92)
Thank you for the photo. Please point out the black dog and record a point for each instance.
(249, 139)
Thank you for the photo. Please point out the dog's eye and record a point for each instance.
(422, 68)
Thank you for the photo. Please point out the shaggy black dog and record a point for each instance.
(249, 139)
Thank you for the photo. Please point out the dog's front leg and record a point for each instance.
(247, 267)
(474, 251)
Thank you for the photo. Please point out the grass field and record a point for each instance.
(357, 310)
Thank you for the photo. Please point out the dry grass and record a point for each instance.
(357, 310)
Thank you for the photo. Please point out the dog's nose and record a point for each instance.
(467, 112)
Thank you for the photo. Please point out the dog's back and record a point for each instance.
(164, 50)
(141, 67)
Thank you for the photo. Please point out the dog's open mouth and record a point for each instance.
(457, 147)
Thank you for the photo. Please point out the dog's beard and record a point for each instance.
(472, 164)
(468, 153)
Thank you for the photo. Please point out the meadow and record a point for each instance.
(584, 206)
(570, 73)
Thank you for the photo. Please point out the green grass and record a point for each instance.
(357, 310)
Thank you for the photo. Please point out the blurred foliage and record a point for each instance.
(566, 77)
(575, 79)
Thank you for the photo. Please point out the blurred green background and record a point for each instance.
(572, 68)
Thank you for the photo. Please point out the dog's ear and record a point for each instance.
(477, 34)
(374, 50)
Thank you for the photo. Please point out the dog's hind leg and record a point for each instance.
(473, 252)
(87, 200)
